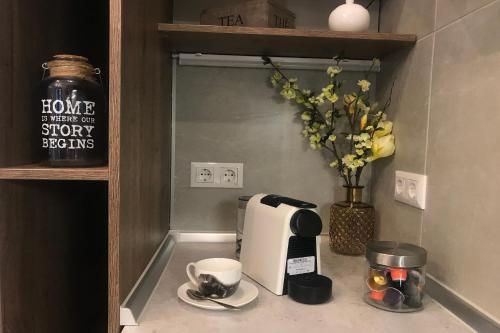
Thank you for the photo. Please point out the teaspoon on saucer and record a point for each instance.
(196, 295)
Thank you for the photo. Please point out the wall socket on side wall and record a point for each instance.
(218, 175)
(410, 188)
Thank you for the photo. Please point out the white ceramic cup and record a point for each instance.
(215, 277)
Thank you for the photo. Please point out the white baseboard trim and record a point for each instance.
(203, 237)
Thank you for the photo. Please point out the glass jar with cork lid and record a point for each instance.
(74, 119)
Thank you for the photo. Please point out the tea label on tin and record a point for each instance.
(68, 124)
(301, 265)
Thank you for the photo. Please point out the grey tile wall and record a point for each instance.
(410, 71)
(408, 16)
(451, 10)
(461, 226)
(458, 64)
(234, 115)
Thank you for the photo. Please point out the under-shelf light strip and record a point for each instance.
(216, 60)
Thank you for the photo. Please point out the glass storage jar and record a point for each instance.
(74, 119)
(395, 278)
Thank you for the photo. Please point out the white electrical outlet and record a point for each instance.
(410, 188)
(204, 175)
(229, 176)
(221, 175)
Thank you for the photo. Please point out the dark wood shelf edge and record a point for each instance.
(193, 28)
(38, 172)
(210, 39)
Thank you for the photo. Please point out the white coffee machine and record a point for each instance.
(281, 241)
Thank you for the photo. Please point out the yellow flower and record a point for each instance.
(299, 99)
(349, 99)
(332, 137)
(384, 128)
(333, 70)
(364, 137)
(349, 102)
(334, 164)
(333, 98)
(362, 106)
(364, 120)
(382, 147)
(306, 116)
(293, 83)
(276, 78)
(364, 85)
(319, 100)
(348, 158)
(288, 91)
(315, 146)
(315, 138)
(311, 129)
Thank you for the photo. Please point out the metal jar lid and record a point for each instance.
(395, 254)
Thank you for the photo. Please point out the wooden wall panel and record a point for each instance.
(115, 42)
(140, 132)
(145, 132)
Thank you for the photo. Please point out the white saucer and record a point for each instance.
(245, 293)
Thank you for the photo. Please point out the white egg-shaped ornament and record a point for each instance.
(349, 17)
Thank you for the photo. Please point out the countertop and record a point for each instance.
(347, 312)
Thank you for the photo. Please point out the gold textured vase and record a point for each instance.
(352, 223)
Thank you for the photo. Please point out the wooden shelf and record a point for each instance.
(281, 42)
(38, 172)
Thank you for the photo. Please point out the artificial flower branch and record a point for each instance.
(333, 149)
(370, 136)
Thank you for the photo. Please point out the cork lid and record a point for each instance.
(70, 65)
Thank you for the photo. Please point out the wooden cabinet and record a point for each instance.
(73, 242)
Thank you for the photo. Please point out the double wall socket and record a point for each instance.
(222, 175)
(410, 189)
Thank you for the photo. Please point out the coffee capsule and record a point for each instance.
(376, 284)
(413, 289)
(398, 274)
(377, 295)
(393, 297)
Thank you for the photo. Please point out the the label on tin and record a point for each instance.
(301, 265)
(68, 124)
